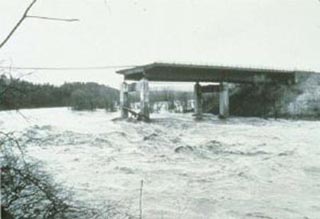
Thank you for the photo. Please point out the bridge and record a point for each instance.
(219, 76)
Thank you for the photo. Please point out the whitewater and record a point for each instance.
(235, 168)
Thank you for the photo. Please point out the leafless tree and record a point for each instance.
(26, 15)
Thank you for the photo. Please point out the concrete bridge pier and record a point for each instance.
(124, 100)
(144, 99)
(224, 100)
(198, 101)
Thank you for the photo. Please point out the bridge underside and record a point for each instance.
(165, 72)
(203, 73)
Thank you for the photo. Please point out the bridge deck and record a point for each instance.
(206, 73)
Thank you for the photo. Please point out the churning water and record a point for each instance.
(239, 168)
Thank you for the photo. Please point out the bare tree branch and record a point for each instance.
(24, 16)
(52, 18)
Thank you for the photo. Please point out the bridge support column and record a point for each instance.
(124, 100)
(198, 101)
(144, 99)
(224, 100)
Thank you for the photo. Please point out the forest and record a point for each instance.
(17, 94)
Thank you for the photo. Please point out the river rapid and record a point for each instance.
(237, 168)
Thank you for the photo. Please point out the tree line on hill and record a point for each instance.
(17, 94)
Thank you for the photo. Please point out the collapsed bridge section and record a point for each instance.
(220, 76)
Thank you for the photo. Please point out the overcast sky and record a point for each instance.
(269, 33)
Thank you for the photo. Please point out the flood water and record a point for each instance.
(238, 168)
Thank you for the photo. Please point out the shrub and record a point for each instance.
(29, 192)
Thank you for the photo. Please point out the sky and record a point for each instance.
(257, 33)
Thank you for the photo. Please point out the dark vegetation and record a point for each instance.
(278, 101)
(257, 100)
(29, 192)
(17, 94)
